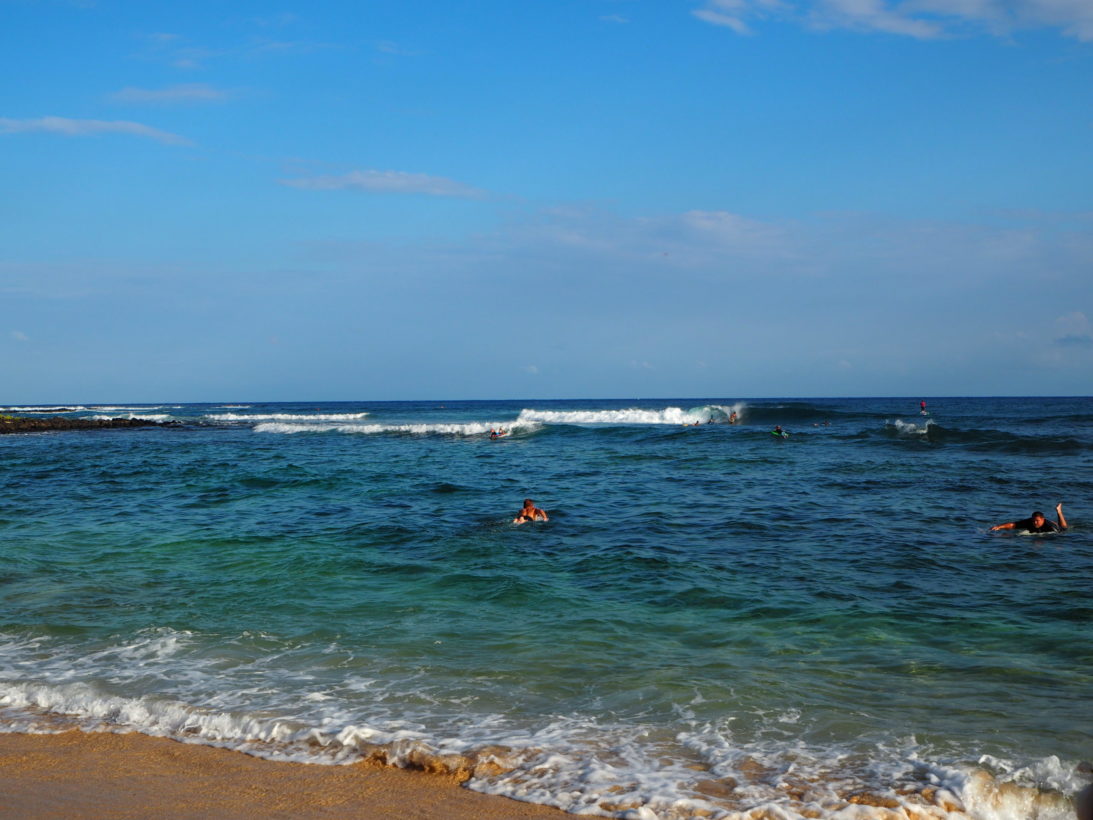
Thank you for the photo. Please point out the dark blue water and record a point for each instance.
(713, 619)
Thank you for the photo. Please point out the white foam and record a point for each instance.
(473, 428)
(259, 693)
(56, 408)
(297, 417)
(669, 415)
(905, 428)
(140, 416)
(579, 764)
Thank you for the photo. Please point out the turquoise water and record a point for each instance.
(712, 620)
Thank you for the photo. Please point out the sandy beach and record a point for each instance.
(77, 775)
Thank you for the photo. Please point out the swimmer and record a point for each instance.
(530, 513)
(1036, 523)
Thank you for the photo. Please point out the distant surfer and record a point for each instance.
(530, 513)
(1036, 523)
(732, 417)
(500, 431)
(922, 405)
(778, 432)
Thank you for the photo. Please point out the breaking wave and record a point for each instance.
(633, 416)
(450, 429)
(289, 417)
(140, 416)
(579, 765)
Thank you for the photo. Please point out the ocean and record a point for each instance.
(715, 622)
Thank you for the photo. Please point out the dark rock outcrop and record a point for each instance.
(43, 424)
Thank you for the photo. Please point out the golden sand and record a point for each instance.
(75, 775)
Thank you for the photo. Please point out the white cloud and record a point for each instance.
(922, 19)
(872, 15)
(532, 369)
(86, 128)
(1074, 330)
(20, 336)
(389, 182)
(718, 19)
(194, 92)
(183, 54)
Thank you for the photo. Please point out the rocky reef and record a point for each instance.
(44, 424)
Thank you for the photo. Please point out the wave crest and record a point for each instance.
(296, 417)
(473, 428)
(632, 415)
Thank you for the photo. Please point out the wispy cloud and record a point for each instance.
(20, 336)
(389, 47)
(1075, 340)
(389, 182)
(180, 53)
(922, 19)
(187, 93)
(734, 14)
(260, 47)
(1075, 330)
(614, 18)
(89, 128)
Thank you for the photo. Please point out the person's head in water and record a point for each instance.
(1038, 518)
(530, 513)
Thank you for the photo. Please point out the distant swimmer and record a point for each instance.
(778, 432)
(1036, 523)
(530, 513)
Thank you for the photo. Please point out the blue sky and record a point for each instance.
(393, 199)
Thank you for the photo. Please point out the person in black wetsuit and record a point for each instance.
(1036, 523)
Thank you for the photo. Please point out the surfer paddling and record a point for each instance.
(530, 513)
(1036, 523)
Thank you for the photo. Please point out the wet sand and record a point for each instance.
(75, 775)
